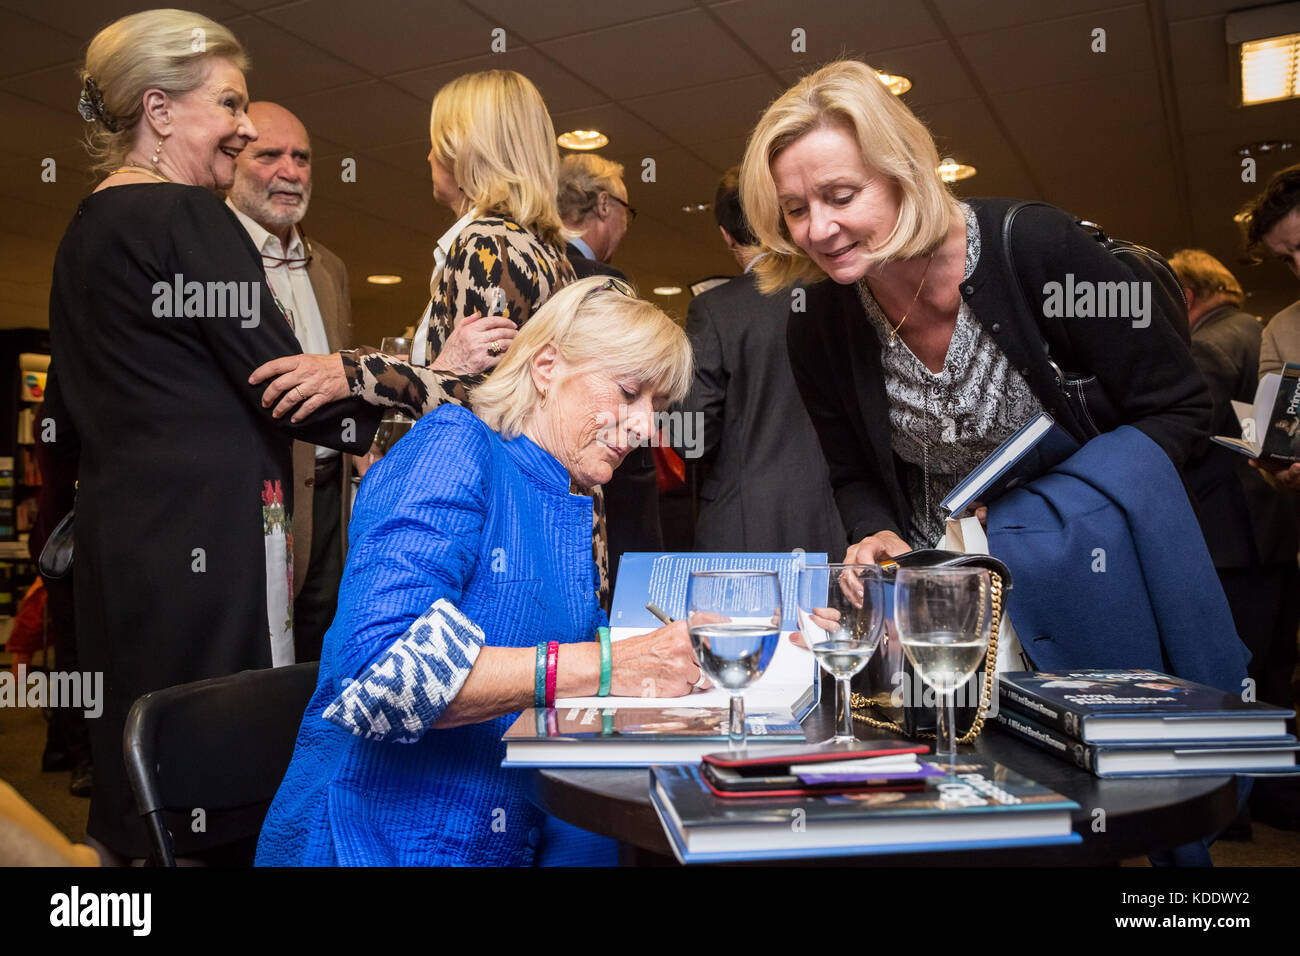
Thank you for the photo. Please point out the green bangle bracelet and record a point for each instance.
(606, 662)
(539, 681)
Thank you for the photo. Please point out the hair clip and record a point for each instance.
(91, 107)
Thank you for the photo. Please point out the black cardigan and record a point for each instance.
(1147, 373)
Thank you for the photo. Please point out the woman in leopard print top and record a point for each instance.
(495, 267)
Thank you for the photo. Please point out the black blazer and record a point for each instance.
(585, 267)
(1147, 373)
(768, 489)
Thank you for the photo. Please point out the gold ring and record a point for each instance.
(298, 389)
(495, 348)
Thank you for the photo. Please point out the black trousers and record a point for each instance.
(314, 607)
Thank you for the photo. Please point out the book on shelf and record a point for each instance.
(1270, 426)
(1036, 448)
(1122, 706)
(788, 687)
(1260, 755)
(634, 736)
(977, 805)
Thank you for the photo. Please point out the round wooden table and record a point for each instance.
(1137, 815)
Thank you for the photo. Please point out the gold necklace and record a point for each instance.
(894, 331)
(144, 170)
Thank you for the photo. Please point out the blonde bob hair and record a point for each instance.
(154, 49)
(593, 323)
(893, 142)
(492, 131)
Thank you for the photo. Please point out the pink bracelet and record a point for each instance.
(552, 668)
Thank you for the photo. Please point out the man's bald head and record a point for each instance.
(273, 173)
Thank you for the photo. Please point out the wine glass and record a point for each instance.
(841, 617)
(394, 424)
(735, 623)
(944, 617)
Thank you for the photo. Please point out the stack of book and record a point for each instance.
(1144, 723)
(973, 804)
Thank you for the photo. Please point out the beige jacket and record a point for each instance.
(329, 283)
(1281, 342)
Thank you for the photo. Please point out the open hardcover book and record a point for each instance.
(1270, 428)
(789, 685)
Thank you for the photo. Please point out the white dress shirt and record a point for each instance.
(292, 287)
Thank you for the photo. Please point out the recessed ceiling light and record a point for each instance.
(582, 139)
(1265, 147)
(951, 171)
(383, 279)
(695, 206)
(668, 290)
(898, 85)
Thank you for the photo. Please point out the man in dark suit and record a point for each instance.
(270, 196)
(769, 488)
(1249, 527)
(593, 202)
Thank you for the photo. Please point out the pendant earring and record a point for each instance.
(157, 151)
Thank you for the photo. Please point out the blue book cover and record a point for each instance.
(1119, 706)
(979, 804)
(660, 577)
(1035, 449)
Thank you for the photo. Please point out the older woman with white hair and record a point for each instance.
(468, 596)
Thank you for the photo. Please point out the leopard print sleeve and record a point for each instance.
(382, 379)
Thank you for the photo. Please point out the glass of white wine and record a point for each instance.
(735, 623)
(394, 424)
(841, 617)
(944, 617)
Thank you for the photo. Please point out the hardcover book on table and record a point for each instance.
(980, 805)
(1156, 758)
(634, 736)
(1123, 706)
(789, 686)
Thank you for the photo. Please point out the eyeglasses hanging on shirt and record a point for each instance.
(292, 262)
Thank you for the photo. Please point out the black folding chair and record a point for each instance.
(219, 746)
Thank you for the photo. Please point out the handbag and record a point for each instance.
(1092, 407)
(879, 707)
(56, 557)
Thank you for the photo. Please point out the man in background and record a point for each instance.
(270, 196)
(593, 202)
(768, 488)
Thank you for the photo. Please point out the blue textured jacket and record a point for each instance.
(458, 539)
(1111, 570)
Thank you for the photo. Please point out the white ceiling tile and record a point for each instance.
(652, 56)
(547, 19)
(388, 37)
(560, 88)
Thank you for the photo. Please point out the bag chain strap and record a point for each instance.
(861, 705)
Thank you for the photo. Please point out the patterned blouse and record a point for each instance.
(944, 424)
(489, 254)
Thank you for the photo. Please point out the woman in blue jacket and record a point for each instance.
(470, 553)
